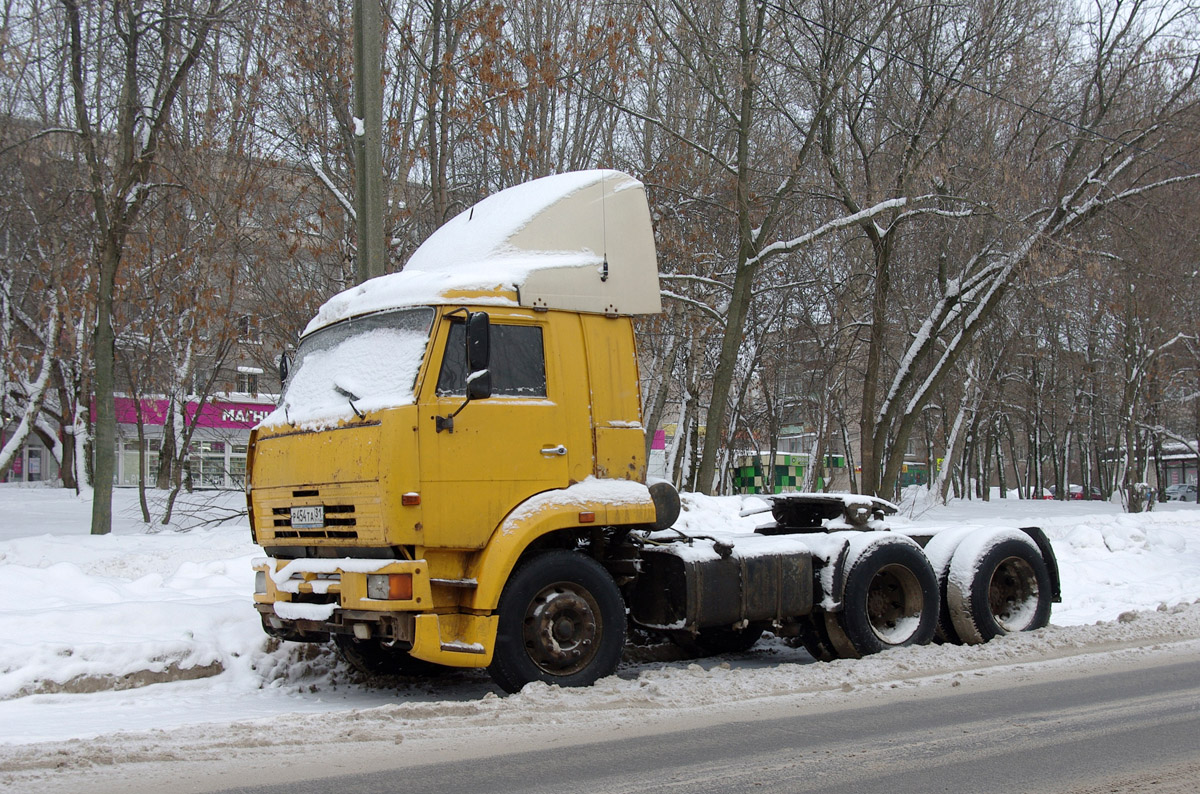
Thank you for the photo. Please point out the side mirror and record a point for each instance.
(283, 368)
(479, 379)
(479, 336)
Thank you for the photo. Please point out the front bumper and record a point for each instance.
(307, 600)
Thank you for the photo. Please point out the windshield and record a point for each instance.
(361, 364)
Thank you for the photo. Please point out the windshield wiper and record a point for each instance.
(350, 398)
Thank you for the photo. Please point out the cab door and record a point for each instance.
(502, 449)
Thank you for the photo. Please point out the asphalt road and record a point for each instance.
(1128, 731)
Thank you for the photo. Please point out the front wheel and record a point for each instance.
(561, 621)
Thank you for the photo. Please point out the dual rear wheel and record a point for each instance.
(990, 585)
(889, 599)
(996, 588)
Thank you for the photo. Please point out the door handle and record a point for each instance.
(559, 450)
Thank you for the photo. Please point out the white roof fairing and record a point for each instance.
(548, 240)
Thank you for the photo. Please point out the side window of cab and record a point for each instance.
(518, 362)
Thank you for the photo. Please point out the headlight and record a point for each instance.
(260, 582)
(390, 586)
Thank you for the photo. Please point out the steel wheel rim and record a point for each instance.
(561, 629)
(894, 604)
(1013, 594)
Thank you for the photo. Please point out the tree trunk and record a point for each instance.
(1001, 473)
(661, 391)
(105, 442)
(750, 28)
(33, 406)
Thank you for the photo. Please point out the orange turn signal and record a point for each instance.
(400, 586)
(390, 587)
(587, 517)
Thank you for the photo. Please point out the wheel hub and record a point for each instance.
(1013, 594)
(561, 628)
(894, 604)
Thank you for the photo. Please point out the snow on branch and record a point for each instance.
(704, 307)
(40, 134)
(712, 282)
(787, 246)
(1137, 191)
(954, 346)
(1139, 368)
(1189, 444)
(319, 171)
(958, 294)
(37, 391)
(941, 213)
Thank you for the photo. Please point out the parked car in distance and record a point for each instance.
(1076, 492)
(1180, 492)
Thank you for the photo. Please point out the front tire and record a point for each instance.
(561, 621)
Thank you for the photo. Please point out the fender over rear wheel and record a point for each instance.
(561, 621)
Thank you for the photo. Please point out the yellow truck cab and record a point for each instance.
(456, 476)
(394, 509)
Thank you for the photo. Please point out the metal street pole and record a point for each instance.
(368, 140)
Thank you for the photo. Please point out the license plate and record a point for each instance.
(308, 517)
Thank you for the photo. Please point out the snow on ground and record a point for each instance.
(151, 633)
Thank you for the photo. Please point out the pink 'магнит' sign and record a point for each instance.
(220, 414)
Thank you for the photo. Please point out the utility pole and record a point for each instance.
(368, 140)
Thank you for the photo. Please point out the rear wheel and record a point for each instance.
(890, 600)
(1008, 590)
(561, 620)
(940, 552)
(814, 637)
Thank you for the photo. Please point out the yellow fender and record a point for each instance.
(592, 503)
(468, 640)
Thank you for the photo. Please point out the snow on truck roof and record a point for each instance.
(580, 241)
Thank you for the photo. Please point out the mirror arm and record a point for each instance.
(447, 422)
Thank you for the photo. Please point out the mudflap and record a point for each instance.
(1043, 544)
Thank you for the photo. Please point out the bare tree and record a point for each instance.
(127, 64)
